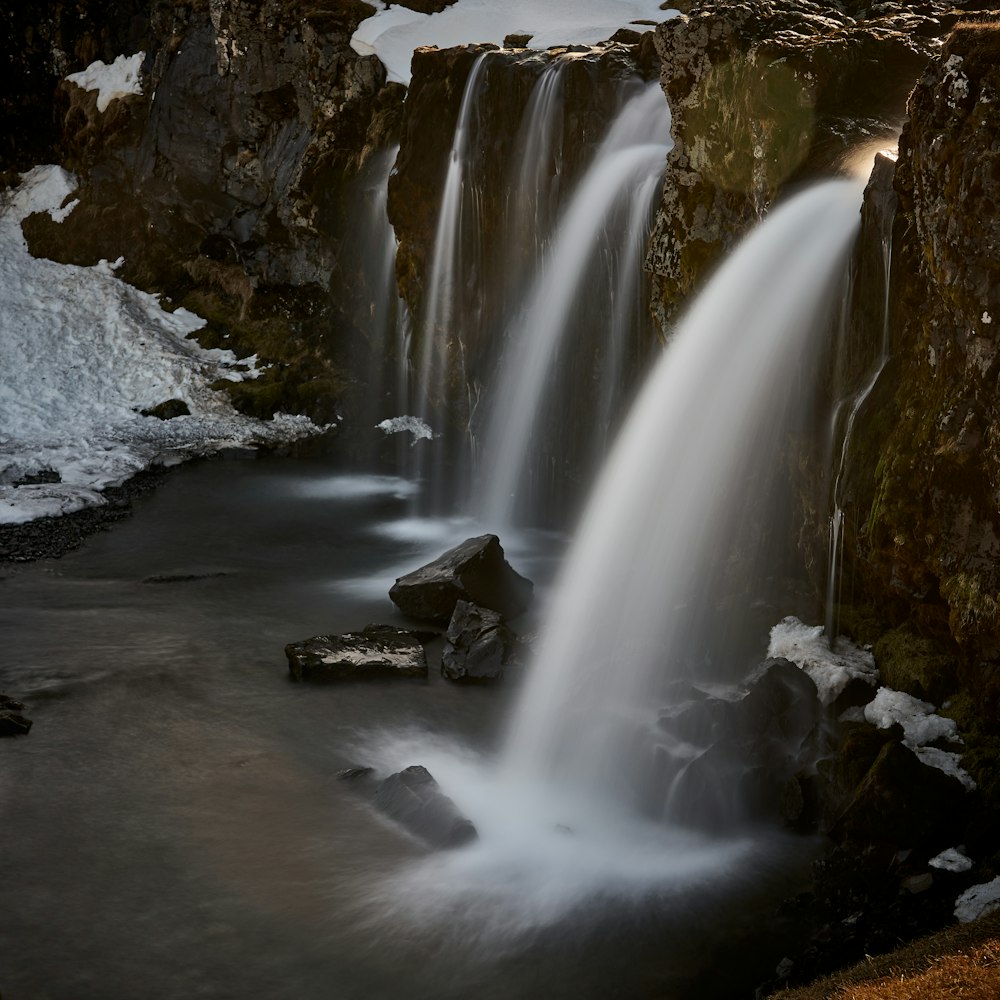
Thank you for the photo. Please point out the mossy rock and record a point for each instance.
(911, 663)
(905, 803)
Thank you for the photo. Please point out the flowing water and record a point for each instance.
(533, 420)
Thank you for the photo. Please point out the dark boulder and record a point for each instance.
(477, 645)
(474, 571)
(414, 800)
(168, 409)
(375, 651)
(903, 802)
(11, 722)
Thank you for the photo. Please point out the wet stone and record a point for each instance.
(376, 651)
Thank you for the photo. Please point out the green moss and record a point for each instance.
(911, 663)
(971, 608)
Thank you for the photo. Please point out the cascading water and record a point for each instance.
(450, 261)
(386, 320)
(667, 509)
(535, 185)
(615, 195)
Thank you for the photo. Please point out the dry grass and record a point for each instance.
(959, 963)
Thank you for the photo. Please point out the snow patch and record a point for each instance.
(120, 79)
(920, 726)
(830, 669)
(978, 901)
(393, 32)
(951, 860)
(83, 353)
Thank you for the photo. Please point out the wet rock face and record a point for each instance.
(928, 461)
(763, 95)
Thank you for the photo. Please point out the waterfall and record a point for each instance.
(630, 602)
(586, 271)
(439, 337)
(385, 320)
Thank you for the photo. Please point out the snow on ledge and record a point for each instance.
(120, 79)
(830, 669)
(83, 354)
(393, 32)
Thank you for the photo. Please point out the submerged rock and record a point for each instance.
(414, 799)
(477, 644)
(375, 651)
(11, 722)
(475, 571)
(729, 758)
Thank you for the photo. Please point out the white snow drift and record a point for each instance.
(81, 353)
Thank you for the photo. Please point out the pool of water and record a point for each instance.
(174, 827)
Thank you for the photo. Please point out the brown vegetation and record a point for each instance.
(959, 963)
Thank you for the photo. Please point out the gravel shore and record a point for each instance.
(51, 537)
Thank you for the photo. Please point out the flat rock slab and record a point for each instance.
(475, 571)
(414, 799)
(375, 651)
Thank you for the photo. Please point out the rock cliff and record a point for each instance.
(224, 183)
(765, 95)
(927, 467)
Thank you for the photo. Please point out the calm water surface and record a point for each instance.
(173, 826)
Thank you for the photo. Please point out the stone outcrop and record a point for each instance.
(765, 95)
(475, 571)
(377, 651)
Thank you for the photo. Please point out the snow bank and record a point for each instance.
(119, 79)
(978, 901)
(830, 669)
(394, 32)
(82, 354)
